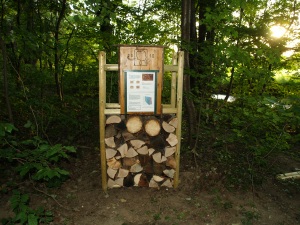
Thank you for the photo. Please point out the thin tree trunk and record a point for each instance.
(56, 51)
(186, 38)
(5, 81)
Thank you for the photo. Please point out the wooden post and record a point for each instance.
(173, 81)
(179, 114)
(102, 119)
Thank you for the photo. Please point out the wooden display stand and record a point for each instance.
(140, 137)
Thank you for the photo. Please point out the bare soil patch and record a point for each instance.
(200, 199)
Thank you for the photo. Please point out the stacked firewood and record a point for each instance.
(140, 150)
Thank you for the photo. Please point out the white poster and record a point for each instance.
(140, 91)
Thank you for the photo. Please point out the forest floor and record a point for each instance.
(201, 198)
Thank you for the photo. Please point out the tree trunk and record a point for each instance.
(5, 81)
(59, 89)
(186, 38)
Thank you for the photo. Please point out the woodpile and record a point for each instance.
(140, 150)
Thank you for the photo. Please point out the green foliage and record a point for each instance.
(33, 158)
(250, 131)
(24, 214)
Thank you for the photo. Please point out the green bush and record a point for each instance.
(33, 159)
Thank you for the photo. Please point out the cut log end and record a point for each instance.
(152, 127)
(134, 124)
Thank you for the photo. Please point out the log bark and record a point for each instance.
(143, 181)
(110, 131)
(171, 162)
(127, 136)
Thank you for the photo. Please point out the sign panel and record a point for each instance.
(137, 63)
(141, 90)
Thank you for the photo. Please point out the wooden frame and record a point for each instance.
(175, 106)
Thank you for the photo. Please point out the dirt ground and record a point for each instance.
(200, 199)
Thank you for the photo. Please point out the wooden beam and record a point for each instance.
(173, 81)
(115, 67)
(102, 119)
(179, 114)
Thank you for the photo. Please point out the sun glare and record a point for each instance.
(278, 31)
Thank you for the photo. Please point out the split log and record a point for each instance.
(167, 127)
(123, 150)
(171, 162)
(113, 119)
(134, 124)
(114, 164)
(143, 181)
(127, 136)
(152, 127)
(172, 139)
(157, 157)
(110, 131)
(170, 173)
(153, 184)
(131, 153)
(143, 150)
(169, 151)
(136, 168)
(123, 173)
(111, 172)
(115, 183)
(110, 153)
(137, 143)
(157, 179)
(110, 142)
(137, 179)
(151, 151)
(167, 183)
(174, 122)
(128, 162)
